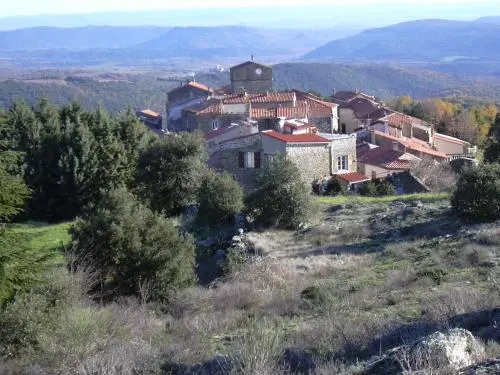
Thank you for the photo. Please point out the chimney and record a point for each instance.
(395, 146)
(334, 92)
(357, 91)
(373, 138)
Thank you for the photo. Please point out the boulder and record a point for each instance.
(456, 349)
(452, 350)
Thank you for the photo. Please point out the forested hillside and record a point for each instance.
(118, 91)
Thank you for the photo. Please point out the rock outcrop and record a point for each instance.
(452, 350)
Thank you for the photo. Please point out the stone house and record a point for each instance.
(251, 77)
(359, 113)
(237, 129)
(267, 109)
(315, 155)
(382, 162)
(452, 146)
(187, 95)
(344, 97)
(401, 125)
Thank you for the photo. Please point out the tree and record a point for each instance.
(477, 195)
(170, 172)
(220, 198)
(132, 246)
(492, 152)
(13, 191)
(282, 199)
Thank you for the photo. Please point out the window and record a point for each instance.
(215, 124)
(249, 160)
(343, 163)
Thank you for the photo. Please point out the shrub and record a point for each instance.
(368, 189)
(282, 199)
(220, 198)
(477, 195)
(336, 186)
(385, 188)
(132, 247)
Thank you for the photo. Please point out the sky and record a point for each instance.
(36, 7)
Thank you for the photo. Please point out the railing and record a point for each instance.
(452, 157)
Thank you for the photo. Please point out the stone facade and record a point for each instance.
(251, 77)
(313, 160)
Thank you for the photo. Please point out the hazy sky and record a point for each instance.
(34, 7)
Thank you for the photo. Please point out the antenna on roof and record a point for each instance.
(251, 57)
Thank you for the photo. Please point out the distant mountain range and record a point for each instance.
(424, 41)
(78, 38)
(102, 44)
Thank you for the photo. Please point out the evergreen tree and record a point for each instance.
(132, 247)
(282, 199)
(170, 172)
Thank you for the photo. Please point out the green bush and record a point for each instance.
(220, 198)
(492, 152)
(282, 199)
(477, 195)
(336, 186)
(368, 189)
(133, 247)
(385, 188)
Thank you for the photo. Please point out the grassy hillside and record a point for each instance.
(364, 278)
(425, 40)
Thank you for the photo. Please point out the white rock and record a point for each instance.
(456, 348)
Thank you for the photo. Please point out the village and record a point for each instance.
(351, 136)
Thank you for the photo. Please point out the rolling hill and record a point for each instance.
(78, 38)
(417, 41)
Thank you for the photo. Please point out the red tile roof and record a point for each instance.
(271, 97)
(361, 107)
(150, 113)
(450, 139)
(397, 120)
(353, 177)
(412, 144)
(198, 85)
(385, 158)
(296, 138)
(211, 106)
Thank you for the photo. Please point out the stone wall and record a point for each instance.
(312, 160)
(344, 146)
(245, 77)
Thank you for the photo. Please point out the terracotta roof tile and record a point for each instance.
(150, 113)
(198, 85)
(362, 107)
(385, 158)
(353, 177)
(211, 106)
(397, 120)
(412, 144)
(272, 97)
(296, 138)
